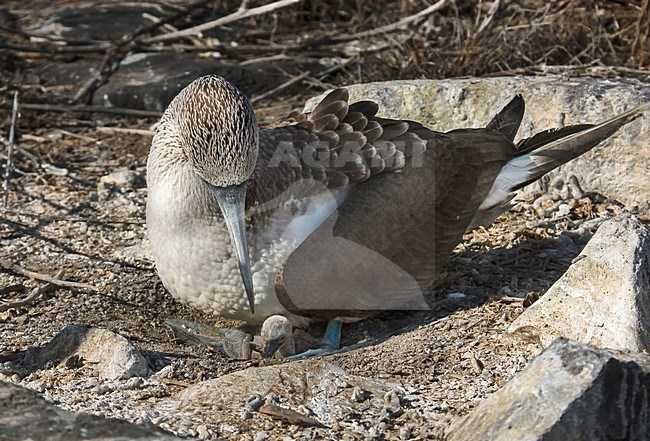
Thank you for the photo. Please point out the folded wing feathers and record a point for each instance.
(350, 142)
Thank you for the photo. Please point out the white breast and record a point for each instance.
(191, 246)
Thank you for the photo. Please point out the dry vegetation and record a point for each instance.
(462, 38)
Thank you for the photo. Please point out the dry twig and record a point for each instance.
(72, 218)
(241, 13)
(96, 77)
(45, 278)
(124, 131)
(394, 26)
(488, 18)
(90, 109)
(10, 151)
(280, 87)
(56, 49)
(32, 297)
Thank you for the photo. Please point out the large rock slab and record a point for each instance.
(88, 22)
(604, 297)
(149, 81)
(109, 355)
(26, 416)
(618, 168)
(569, 392)
(313, 393)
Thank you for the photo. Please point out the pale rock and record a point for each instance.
(320, 386)
(26, 416)
(108, 354)
(121, 178)
(603, 299)
(569, 392)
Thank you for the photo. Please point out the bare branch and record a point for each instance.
(394, 26)
(111, 130)
(45, 278)
(489, 17)
(90, 109)
(72, 218)
(10, 151)
(280, 87)
(241, 13)
(56, 49)
(32, 297)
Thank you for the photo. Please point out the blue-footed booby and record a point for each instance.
(334, 213)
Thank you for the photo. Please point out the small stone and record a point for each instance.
(563, 210)
(373, 434)
(261, 436)
(477, 364)
(564, 241)
(120, 178)
(39, 387)
(133, 383)
(359, 395)
(254, 402)
(104, 389)
(505, 291)
(110, 355)
(142, 421)
(392, 406)
(202, 431)
(456, 296)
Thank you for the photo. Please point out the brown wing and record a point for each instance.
(337, 144)
(394, 231)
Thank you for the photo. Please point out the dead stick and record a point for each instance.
(10, 151)
(238, 15)
(488, 18)
(75, 49)
(93, 79)
(280, 87)
(45, 278)
(394, 26)
(72, 218)
(32, 297)
(111, 130)
(90, 109)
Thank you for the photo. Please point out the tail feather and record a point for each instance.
(542, 153)
(540, 139)
(548, 150)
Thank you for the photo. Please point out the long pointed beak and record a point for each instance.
(232, 200)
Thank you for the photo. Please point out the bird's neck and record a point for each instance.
(175, 190)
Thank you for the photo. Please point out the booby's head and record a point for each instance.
(216, 128)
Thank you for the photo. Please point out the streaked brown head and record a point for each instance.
(217, 130)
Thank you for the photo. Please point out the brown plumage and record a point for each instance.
(346, 212)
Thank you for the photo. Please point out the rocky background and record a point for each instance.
(84, 352)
